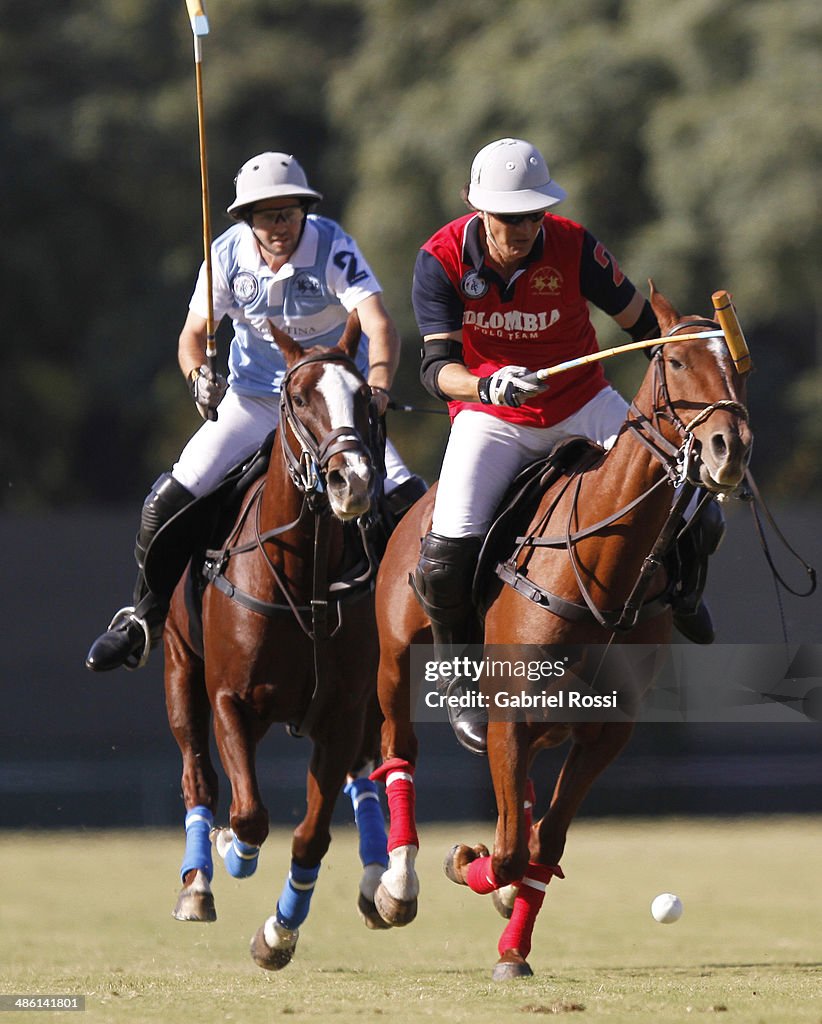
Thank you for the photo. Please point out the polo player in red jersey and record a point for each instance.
(498, 293)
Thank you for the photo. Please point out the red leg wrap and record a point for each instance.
(480, 876)
(530, 895)
(398, 776)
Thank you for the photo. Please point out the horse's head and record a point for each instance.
(699, 394)
(324, 421)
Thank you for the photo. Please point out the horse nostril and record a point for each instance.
(719, 446)
(335, 479)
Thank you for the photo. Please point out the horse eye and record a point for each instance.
(298, 400)
(675, 363)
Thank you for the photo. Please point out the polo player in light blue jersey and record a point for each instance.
(283, 263)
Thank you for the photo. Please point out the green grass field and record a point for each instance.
(90, 914)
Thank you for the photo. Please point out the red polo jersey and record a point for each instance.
(538, 319)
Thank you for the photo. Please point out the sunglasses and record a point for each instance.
(518, 218)
(283, 215)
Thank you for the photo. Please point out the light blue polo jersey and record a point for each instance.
(309, 298)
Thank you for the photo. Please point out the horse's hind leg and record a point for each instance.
(369, 819)
(397, 894)
(189, 712)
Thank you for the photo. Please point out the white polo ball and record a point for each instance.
(666, 908)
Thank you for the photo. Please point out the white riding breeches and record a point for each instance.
(485, 453)
(243, 422)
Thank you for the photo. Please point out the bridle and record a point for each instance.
(308, 469)
(680, 465)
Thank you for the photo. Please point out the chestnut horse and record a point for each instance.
(686, 428)
(287, 634)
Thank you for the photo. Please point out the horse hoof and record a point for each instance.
(195, 901)
(371, 916)
(511, 965)
(503, 900)
(458, 858)
(277, 954)
(395, 913)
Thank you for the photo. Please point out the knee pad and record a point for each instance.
(442, 578)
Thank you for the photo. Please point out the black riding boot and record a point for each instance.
(694, 547)
(136, 629)
(400, 500)
(442, 582)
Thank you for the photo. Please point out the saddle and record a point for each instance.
(520, 502)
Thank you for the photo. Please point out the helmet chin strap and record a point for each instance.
(489, 234)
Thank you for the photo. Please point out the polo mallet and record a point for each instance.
(735, 339)
(730, 330)
(199, 28)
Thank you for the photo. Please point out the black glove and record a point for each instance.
(207, 389)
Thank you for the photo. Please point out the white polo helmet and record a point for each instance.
(270, 176)
(511, 176)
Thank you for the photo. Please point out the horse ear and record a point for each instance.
(351, 335)
(286, 344)
(666, 313)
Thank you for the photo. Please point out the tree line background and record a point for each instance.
(687, 133)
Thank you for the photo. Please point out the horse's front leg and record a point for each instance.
(512, 861)
(273, 945)
(474, 866)
(189, 715)
(398, 890)
(237, 731)
(594, 747)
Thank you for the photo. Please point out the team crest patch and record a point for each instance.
(307, 284)
(546, 281)
(245, 287)
(473, 285)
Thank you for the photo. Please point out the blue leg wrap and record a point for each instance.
(199, 822)
(295, 899)
(369, 820)
(242, 859)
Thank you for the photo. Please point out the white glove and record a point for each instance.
(506, 386)
(207, 390)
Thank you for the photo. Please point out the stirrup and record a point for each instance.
(121, 618)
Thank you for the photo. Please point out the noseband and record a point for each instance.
(309, 469)
(680, 463)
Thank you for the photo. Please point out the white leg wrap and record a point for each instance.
(222, 839)
(372, 873)
(277, 937)
(400, 879)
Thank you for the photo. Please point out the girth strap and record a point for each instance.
(570, 610)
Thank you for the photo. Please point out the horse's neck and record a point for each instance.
(632, 466)
(629, 471)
